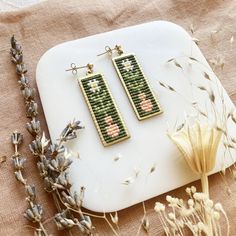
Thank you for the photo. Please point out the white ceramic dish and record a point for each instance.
(154, 44)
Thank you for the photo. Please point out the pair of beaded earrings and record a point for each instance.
(104, 111)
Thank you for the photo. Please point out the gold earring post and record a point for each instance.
(109, 50)
(75, 68)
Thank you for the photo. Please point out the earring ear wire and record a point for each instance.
(109, 50)
(74, 69)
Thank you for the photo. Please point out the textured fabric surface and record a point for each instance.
(42, 26)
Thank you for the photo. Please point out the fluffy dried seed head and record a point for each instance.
(159, 207)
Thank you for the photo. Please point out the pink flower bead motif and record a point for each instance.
(113, 130)
(145, 104)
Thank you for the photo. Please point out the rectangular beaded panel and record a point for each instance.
(136, 86)
(106, 116)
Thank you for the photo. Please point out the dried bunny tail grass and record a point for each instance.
(198, 214)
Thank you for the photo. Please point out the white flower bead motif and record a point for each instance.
(127, 65)
(94, 87)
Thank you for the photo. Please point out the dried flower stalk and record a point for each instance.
(198, 144)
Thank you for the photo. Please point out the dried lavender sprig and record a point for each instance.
(53, 160)
(34, 212)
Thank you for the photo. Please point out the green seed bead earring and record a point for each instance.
(135, 83)
(104, 111)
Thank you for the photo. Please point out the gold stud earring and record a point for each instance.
(104, 111)
(139, 92)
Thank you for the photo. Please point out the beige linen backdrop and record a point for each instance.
(41, 27)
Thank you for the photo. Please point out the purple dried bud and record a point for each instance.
(34, 127)
(21, 69)
(30, 191)
(55, 149)
(85, 225)
(62, 181)
(34, 213)
(18, 161)
(60, 163)
(28, 93)
(63, 221)
(23, 81)
(19, 177)
(48, 184)
(70, 131)
(43, 166)
(39, 146)
(16, 138)
(31, 109)
(13, 41)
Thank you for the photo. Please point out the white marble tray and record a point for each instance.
(153, 43)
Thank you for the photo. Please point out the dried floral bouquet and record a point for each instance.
(198, 215)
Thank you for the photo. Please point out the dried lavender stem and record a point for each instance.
(34, 211)
(43, 229)
(40, 144)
